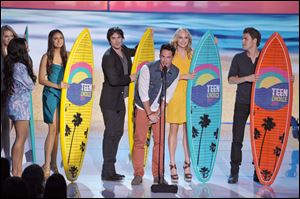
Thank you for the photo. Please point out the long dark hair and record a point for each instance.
(16, 53)
(50, 50)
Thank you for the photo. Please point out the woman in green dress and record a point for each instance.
(51, 74)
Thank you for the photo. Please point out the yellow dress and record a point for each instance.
(176, 109)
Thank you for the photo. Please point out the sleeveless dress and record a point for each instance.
(176, 109)
(51, 96)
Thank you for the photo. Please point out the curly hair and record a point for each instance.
(175, 38)
(16, 53)
(50, 50)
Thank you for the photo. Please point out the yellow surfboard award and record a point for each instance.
(143, 55)
(76, 105)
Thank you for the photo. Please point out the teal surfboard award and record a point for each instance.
(204, 107)
(30, 153)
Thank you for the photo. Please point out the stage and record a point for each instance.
(90, 185)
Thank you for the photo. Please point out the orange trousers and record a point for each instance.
(140, 136)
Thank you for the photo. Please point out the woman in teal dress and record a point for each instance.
(51, 74)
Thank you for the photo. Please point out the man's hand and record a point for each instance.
(133, 77)
(252, 78)
(153, 117)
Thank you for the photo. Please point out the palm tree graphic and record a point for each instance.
(266, 174)
(216, 133)
(276, 152)
(204, 122)
(212, 148)
(86, 133)
(82, 149)
(268, 126)
(148, 136)
(74, 171)
(204, 171)
(67, 131)
(257, 134)
(195, 132)
(281, 138)
(76, 121)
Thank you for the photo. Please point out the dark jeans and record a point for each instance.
(114, 127)
(241, 113)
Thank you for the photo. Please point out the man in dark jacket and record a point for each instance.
(116, 65)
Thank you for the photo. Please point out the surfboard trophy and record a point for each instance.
(76, 105)
(161, 187)
(271, 108)
(29, 148)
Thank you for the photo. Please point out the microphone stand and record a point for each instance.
(161, 187)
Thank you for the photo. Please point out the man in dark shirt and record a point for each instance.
(242, 73)
(116, 65)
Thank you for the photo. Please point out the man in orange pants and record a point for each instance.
(150, 102)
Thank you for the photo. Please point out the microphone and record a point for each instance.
(164, 69)
(164, 72)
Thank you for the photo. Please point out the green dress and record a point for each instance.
(51, 96)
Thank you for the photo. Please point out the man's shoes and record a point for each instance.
(156, 180)
(255, 178)
(137, 180)
(115, 177)
(233, 179)
(120, 175)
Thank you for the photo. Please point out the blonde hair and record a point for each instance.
(175, 38)
(4, 29)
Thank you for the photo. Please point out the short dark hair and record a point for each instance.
(113, 30)
(15, 187)
(169, 47)
(56, 187)
(255, 34)
(5, 168)
(34, 176)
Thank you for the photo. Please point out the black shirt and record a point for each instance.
(242, 66)
(126, 72)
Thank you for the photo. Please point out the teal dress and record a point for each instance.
(51, 96)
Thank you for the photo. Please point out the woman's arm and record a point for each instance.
(43, 73)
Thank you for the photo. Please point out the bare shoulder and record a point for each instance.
(44, 60)
(44, 57)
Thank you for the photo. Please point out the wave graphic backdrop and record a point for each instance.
(226, 27)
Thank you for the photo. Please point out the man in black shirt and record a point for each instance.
(242, 73)
(116, 65)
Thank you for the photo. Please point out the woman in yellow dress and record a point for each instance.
(176, 109)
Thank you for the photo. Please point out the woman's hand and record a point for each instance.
(188, 76)
(64, 85)
(216, 41)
